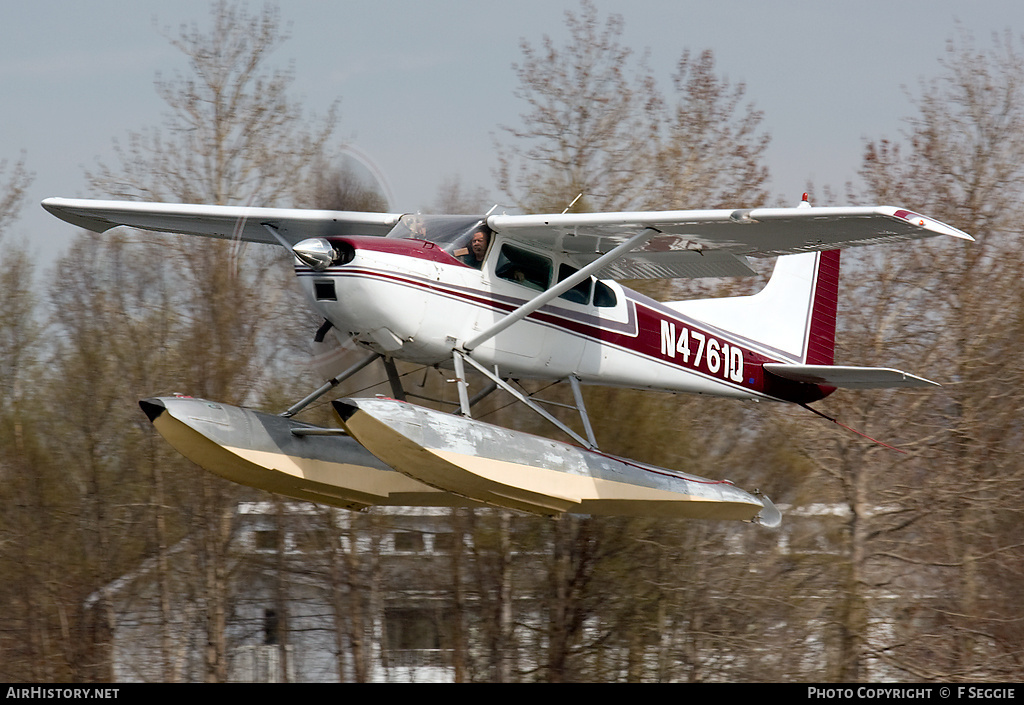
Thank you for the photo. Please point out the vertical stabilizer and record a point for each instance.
(794, 315)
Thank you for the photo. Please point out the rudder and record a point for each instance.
(821, 328)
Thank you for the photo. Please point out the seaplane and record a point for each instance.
(500, 298)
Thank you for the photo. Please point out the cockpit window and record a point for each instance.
(580, 293)
(468, 239)
(524, 267)
(604, 295)
(453, 233)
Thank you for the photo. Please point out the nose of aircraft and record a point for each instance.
(316, 252)
(319, 253)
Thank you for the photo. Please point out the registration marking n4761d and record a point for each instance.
(719, 358)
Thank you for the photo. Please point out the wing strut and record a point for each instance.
(459, 357)
(277, 236)
(560, 288)
(577, 394)
(394, 379)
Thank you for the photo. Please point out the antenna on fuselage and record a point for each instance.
(578, 197)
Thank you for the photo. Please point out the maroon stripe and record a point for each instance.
(821, 338)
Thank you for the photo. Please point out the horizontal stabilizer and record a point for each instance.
(848, 377)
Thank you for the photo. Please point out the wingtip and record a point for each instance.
(51, 204)
(935, 226)
(69, 210)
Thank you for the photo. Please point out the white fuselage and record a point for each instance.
(409, 300)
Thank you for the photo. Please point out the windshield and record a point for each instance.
(450, 232)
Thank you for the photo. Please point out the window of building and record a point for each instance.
(408, 541)
(417, 628)
(446, 542)
(265, 539)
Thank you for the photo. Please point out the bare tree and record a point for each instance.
(27, 649)
(934, 525)
(18, 179)
(341, 188)
(598, 125)
(588, 124)
(453, 197)
(711, 148)
(19, 331)
(231, 135)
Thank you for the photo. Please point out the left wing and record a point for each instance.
(227, 222)
(715, 242)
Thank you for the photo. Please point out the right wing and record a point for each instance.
(226, 222)
(699, 243)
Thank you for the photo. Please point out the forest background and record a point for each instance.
(90, 492)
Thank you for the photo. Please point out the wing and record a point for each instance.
(228, 222)
(715, 242)
(696, 243)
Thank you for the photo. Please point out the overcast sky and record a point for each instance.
(424, 85)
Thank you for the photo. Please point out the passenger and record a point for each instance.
(474, 256)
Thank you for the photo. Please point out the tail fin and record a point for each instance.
(793, 315)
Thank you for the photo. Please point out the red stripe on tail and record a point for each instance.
(821, 334)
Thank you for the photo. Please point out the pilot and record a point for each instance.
(478, 243)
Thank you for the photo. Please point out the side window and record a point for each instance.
(524, 267)
(604, 295)
(580, 293)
